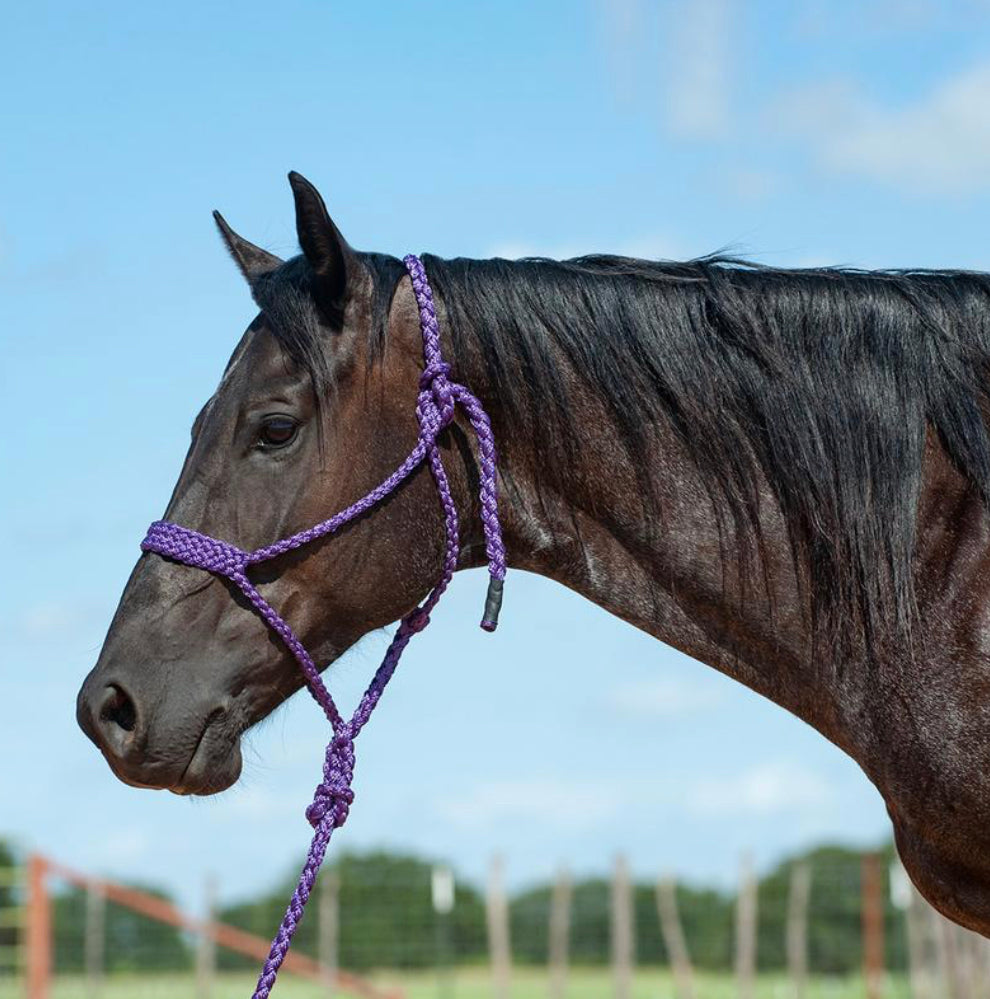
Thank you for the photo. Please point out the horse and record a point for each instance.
(784, 474)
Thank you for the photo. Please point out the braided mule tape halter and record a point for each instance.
(435, 406)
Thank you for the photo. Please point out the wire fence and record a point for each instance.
(833, 923)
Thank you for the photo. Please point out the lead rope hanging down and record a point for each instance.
(437, 401)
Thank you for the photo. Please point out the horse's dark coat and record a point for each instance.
(782, 473)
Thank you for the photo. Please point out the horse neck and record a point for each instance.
(670, 570)
(676, 574)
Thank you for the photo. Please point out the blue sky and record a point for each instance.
(842, 132)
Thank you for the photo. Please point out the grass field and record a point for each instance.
(463, 984)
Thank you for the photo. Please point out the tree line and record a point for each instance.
(387, 920)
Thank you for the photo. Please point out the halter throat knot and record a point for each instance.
(333, 796)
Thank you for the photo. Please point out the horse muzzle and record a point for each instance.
(187, 745)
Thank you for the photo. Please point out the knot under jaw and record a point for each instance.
(330, 799)
(334, 795)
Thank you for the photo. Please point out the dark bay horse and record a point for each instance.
(782, 473)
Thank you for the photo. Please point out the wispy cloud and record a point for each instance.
(692, 40)
(623, 34)
(546, 801)
(699, 67)
(662, 698)
(762, 790)
(645, 247)
(124, 847)
(54, 619)
(939, 144)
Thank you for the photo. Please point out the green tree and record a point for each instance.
(10, 899)
(835, 929)
(387, 915)
(133, 942)
(387, 918)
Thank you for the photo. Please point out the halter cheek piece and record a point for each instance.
(438, 398)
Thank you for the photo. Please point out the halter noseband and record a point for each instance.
(438, 398)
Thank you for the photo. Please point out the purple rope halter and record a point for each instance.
(438, 398)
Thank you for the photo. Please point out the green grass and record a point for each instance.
(469, 983)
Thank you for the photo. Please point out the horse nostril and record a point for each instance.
(112, 718)
(118, 709)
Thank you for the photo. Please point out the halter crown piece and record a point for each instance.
(438, 398)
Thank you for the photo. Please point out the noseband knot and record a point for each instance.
(195, 549)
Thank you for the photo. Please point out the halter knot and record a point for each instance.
(336, 799)
(333, 795)
(437, 397)
(417, 620)
(433, 371)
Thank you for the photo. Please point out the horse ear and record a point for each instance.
(252, 260)
(326, 250)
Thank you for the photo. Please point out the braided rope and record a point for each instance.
(435, 407)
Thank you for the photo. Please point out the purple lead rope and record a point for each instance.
(435, 406)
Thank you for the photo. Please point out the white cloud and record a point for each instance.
(939, 144)
(622, 23)
(259, 805)
(662, 697)
(767, 789)
(692, 41)
(123, 848)
(58, 618)
(699, 64)
(644, 247)
(570, 803)
(753, 184)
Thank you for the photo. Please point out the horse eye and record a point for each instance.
(277, 431)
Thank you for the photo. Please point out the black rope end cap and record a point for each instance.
(493, 604)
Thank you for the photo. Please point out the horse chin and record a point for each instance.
(214, 765)
(212, 769)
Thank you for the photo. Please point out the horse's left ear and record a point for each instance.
(326, 250)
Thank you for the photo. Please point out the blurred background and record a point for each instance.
(488, 825)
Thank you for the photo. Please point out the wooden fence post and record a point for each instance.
(967, 948)
(560, 932)
(945, 949)
(983, 959)
(443, 897)
(921, 946)
(873, 924)
(38, 930)
(231, 938)
(206, 953)
(499, 948)
(623, 944)
(673, 938)
(96, 906)
(328, 919)
(746, 914)
(797, 927)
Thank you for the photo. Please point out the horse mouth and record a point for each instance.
(212, 765)
(215, 764)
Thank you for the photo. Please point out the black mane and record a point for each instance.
(822, 381)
